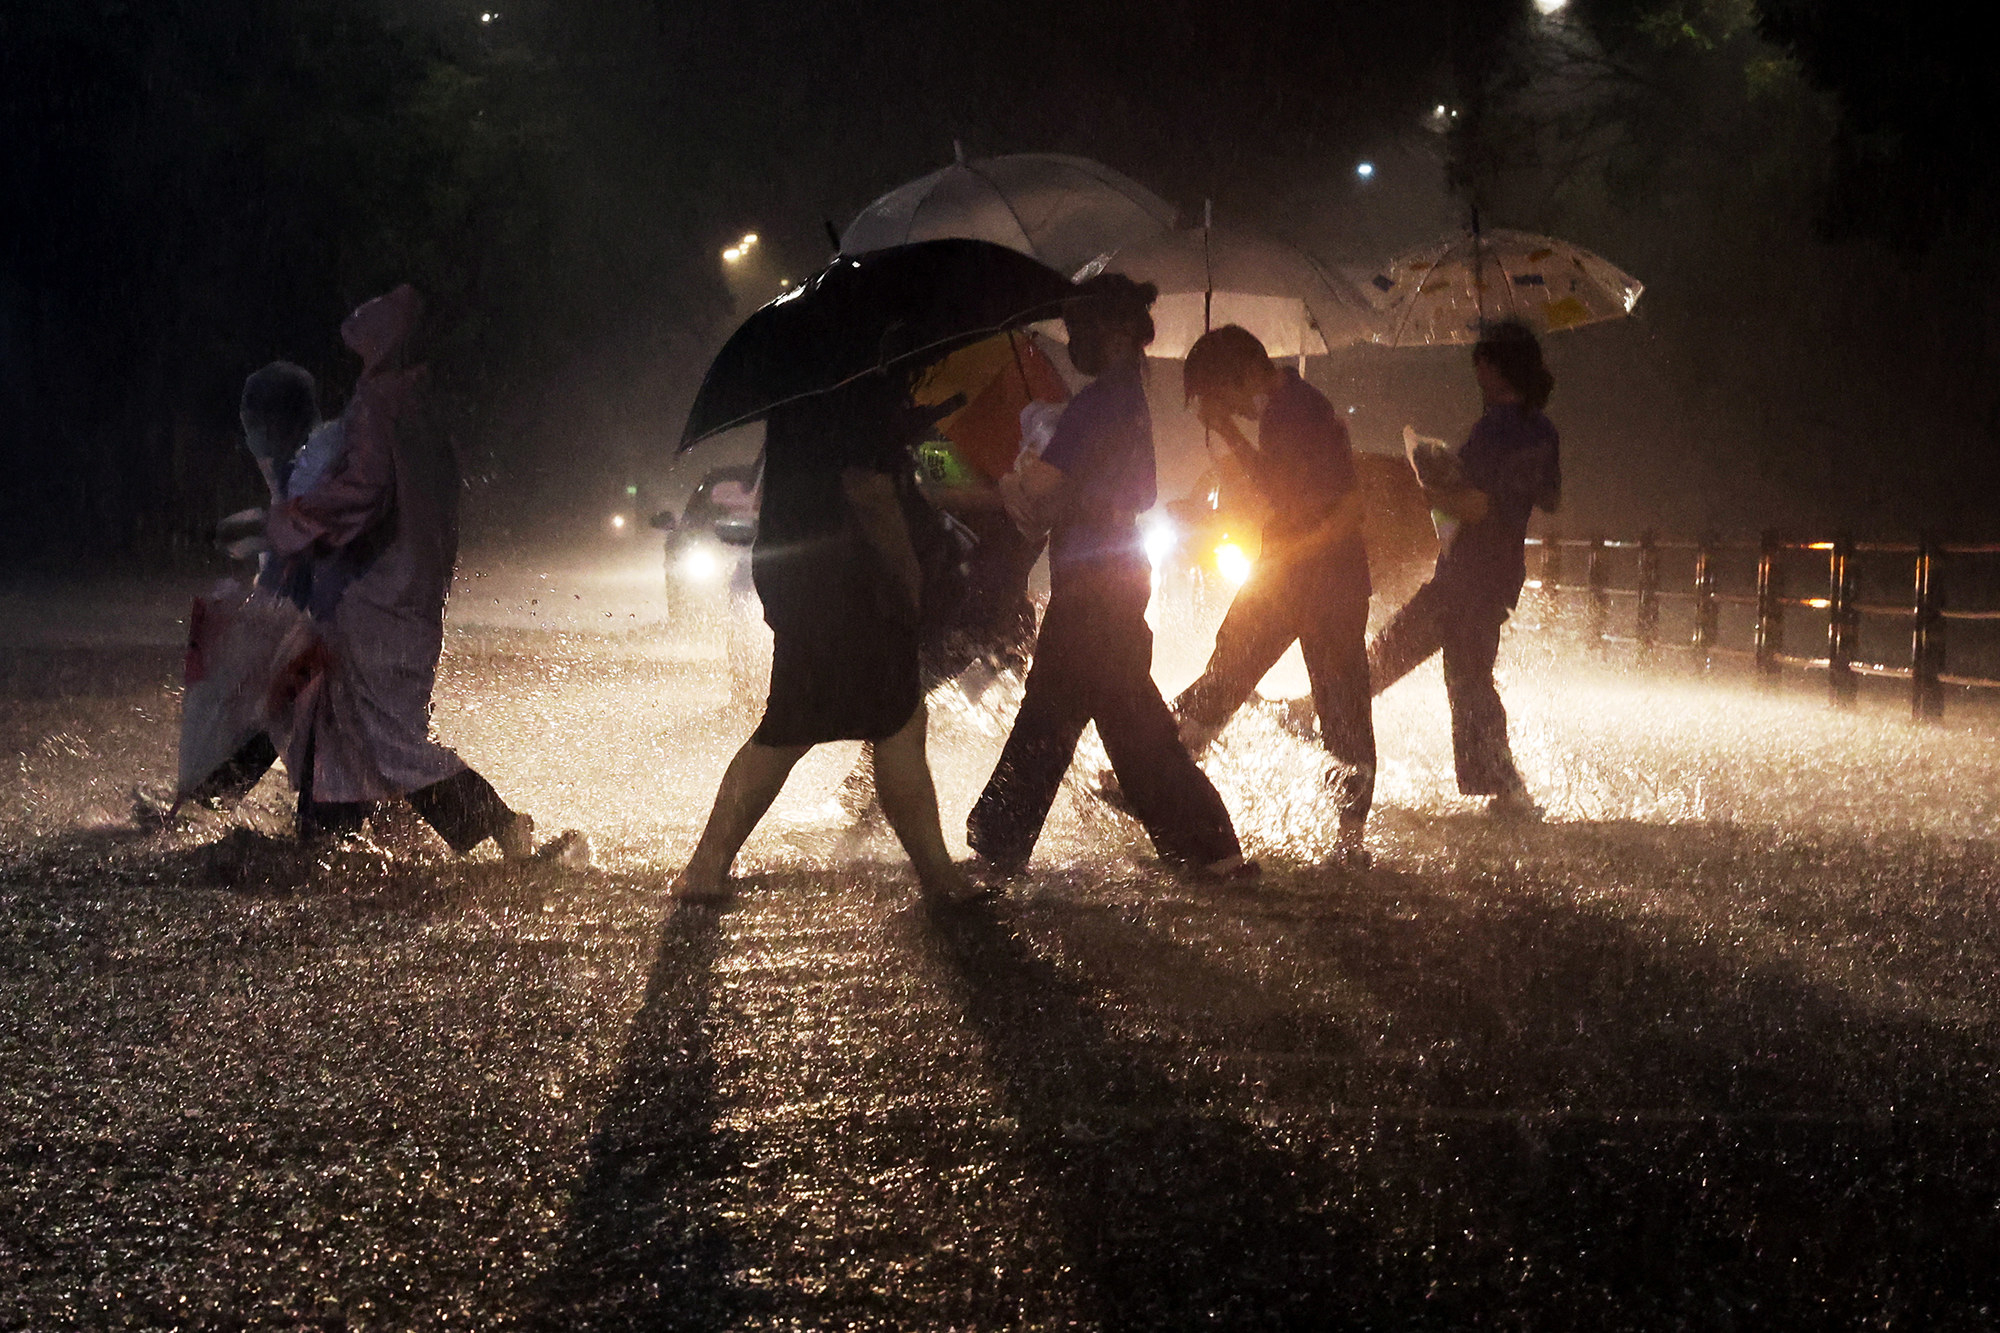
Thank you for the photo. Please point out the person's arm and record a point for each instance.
(361, 489)
(872, 498)
(1467, 504)
(1341, 522)
(1034, 494)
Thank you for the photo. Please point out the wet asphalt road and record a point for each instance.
(1713, 1048)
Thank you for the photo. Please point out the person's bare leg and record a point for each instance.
(753, 780)
(903, 782)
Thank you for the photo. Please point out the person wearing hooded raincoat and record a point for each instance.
(387, 512)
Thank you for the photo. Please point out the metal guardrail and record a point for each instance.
(1926, 612)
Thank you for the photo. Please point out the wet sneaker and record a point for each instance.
(569, 849)
(969, 887)
(1349, 851)
(516, 839)
(684, 892)
(1238, 869)
(1354, 857)
(153, 810)
(1514, 804)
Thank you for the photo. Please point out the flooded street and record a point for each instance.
(1713, 1047)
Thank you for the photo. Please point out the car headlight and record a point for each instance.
(699, 564)
(1233, 563)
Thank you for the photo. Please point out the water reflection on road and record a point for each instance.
(1721, 1031)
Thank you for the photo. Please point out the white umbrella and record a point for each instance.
(1065, 211)
(1445, 291)
(1212, 276)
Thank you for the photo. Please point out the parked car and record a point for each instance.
(707, 562)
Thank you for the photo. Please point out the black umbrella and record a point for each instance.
(860, 314)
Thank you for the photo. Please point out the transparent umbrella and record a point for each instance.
(1211, 276)
(1444, 292)
(1065, 211)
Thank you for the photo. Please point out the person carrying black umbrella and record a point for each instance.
(1093, 656)
(842, 586)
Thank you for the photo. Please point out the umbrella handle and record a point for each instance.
(1020, 367)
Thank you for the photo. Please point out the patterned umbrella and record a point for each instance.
(1444, 292)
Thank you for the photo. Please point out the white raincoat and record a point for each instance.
(390, 504)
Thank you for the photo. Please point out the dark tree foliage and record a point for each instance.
(1918, 103)
(198, 187)
(193, 189)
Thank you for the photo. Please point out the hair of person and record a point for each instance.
(1511, 348)
(1221, 357)
(1116, 301)
(281, 398)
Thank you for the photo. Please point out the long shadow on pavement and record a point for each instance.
(644, 1248)
(1579, 1118)
(1174, 1213)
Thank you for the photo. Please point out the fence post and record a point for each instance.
(1704, 601)
(1841, 623)
(1927, 637)
(1770, 607)
(1648, 630)
(1595, 576)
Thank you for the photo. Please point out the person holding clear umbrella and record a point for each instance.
(1310, 585)
(1093, 656)
(1510, 465)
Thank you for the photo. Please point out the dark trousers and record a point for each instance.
(238, 774)
(463, 808)
(1465, 624)
(1094, 663)
(1326, 612)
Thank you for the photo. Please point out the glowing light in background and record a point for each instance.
(1233, 563)
(1550, 6)
(732, 254)
(1158, 539)
(1365, 170)
(618, 522)
(699, 565)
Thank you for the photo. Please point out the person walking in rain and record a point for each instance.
(280, 415)
(1510, 465)
(1094, 654)
(842, 587)
(1310, 583)
(386, 514)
